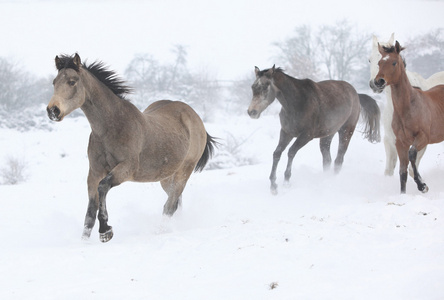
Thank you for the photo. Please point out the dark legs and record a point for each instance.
(106, 231)
(300, 142)
(93, 204)
(406, 155)
(284, 140)
(412, 157)
(324, 144)
(345, 135)
(97, 202)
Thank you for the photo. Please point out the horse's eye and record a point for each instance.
(394, 64)
(72, 83)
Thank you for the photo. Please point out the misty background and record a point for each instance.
(203, 52)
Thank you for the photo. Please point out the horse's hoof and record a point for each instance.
(287, 184)
(274, 192)
(425, 188)
(107, 235)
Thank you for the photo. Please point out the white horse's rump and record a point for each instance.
(416, 80)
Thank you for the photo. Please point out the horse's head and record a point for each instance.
(374, 58)
(263, 92)
(390, 66)
(69, 92)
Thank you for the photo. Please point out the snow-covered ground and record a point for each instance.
(345, 236)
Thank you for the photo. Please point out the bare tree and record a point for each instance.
(425, 52)
(297, 54)
(342, 50)
(22, 94)
(205, 94)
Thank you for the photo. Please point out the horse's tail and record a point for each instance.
(207, 154)
(371, 114)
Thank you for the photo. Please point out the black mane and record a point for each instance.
(263, 72)
(101, 72)
(392, 49)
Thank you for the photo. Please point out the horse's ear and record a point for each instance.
(77, 61)
(398, 47)
(391, 41)
(381, 49)
(273, 69)
(257, 71)
(58, 63)
(375, 41)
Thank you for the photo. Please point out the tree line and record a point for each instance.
(338, 51)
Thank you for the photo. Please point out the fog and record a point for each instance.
(229, 37)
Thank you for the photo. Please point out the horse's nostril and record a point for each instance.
(252, 113)
(53, 113)
(56, 111)
(380, 82)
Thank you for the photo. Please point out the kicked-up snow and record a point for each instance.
(327, 236)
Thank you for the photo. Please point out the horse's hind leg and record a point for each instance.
(412, 157)
(174, 187)
(324, 144)
(345, 134)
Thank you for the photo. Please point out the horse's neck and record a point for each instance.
(102, 107)
(401, 95)
(288, 92)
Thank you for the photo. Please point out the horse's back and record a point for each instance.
(336, 95)
(155, 105)
(436, 93)
(435, 79)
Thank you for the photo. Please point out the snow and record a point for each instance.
(345, 236)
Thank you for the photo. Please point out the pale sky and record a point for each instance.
(227, 37)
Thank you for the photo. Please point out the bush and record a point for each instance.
(14, 171)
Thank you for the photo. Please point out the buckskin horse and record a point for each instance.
(164, 143)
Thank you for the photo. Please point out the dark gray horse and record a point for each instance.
(164, 143)
(312, 110)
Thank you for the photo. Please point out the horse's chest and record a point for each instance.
(103, 157)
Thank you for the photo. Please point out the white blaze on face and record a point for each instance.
(385, 58)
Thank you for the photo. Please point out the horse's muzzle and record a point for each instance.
(254, 114)
(54, 113)
(377, 85)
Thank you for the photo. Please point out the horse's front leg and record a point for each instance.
(418, 160)
(93, 203)
(284, 140)
(300, 142)
(412, 157)
(403, 164)
(122, 172)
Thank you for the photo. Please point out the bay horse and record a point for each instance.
(312, 110)
(387, 115)
(418, 118)
(164, 143)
